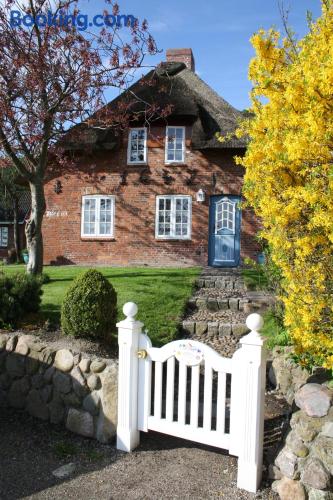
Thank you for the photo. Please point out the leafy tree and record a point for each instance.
(52, 77)
(289, 175)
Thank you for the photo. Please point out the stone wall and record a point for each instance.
(61, 386)
(303, 468)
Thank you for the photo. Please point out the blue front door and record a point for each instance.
(224, 231)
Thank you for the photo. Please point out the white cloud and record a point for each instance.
(158, 26)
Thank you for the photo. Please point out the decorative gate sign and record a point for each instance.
(189, 354)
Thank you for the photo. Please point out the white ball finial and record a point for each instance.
(130, 309)
(254, 322)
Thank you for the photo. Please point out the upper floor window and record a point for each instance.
(173, 217)
(137, 146)
(4, 237)
(175, 145)
(97, 216)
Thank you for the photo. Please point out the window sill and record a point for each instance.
(172, 238)
(129, 164)
(175, 162)
(97, 238)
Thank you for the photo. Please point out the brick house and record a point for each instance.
(166, 194)
(7, 224)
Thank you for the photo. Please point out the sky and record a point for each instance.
(218, 31)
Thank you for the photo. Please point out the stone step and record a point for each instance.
(221, 272)
(209, 329)
(247, 304)
(218, 304)
(226, 282)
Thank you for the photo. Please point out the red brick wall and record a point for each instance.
(134, 238)
(4, 251)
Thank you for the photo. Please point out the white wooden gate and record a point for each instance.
(183, 389)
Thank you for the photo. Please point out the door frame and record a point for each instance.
(238, 228)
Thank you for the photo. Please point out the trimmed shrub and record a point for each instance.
(89, 308)
(20, 294)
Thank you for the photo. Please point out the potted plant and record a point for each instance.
(25, 256)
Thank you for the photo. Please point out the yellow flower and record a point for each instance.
(289, 173)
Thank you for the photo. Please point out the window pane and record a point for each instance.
(179, 133)
(171, 156)
(137, 146)
(89, 228)
(4, 236)
(178, 155)
(168, 204)
(161, 204)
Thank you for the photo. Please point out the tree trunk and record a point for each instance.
(33, 230)
(16, 229)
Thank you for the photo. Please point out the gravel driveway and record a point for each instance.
(163, 467)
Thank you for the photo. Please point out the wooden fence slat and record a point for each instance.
(158, 390)
(195, 395)
(208, 385)
(170, 389)
(182, 393)
(221, 392)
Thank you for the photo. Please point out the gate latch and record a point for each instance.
(142, 354)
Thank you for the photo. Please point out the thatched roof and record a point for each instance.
(190, 98)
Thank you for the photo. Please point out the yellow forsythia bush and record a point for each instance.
(289, 175)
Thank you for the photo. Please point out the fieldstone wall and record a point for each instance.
(61, 386)
(303, 468)
(286, 375)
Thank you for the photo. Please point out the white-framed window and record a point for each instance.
(173, 217)
(4, 237)
(97, 218)
(137, 146)
(175, 145)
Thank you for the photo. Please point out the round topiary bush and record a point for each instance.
(89, 308)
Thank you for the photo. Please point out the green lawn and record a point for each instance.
(160, 293)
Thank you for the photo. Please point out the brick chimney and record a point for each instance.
(181, 55)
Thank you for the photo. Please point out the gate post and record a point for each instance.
(129, 330)
(247, 405)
